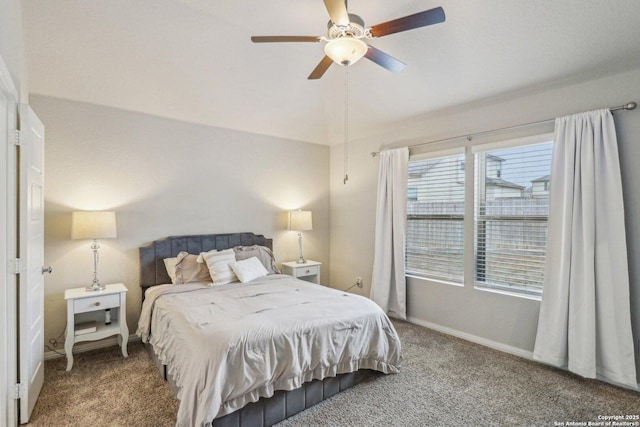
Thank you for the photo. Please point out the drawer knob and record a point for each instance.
(307, 271)
(97, 303)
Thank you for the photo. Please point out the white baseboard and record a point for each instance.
(88, 346)
(474, 338)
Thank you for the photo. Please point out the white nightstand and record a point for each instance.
(89, 306)
(309, 271)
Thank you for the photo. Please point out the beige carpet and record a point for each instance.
(444, 382)
(105, 389)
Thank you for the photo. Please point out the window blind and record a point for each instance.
(510, 217)
(435, 218)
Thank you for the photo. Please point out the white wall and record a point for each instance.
(12, 44)
(504, 320)
(163, 178)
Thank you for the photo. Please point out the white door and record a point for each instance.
(31, 250)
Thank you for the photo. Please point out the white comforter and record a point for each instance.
(229, 345)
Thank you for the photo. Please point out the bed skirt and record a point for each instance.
(283, 404)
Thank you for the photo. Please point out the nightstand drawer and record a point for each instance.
(100, 302)
(307, 271)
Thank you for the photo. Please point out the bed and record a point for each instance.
(255, 353)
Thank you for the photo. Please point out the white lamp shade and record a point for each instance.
(300, 220)
(345, 50)
(93, 225)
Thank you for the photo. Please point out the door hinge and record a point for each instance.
(15, 266)
(16, 391)
(16, 140)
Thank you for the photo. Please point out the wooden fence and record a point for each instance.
(511, 238)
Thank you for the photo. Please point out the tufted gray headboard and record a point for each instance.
(152, 269)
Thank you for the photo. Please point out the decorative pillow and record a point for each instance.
(248, 269)
(189, 271)
(200, 258)
(263, 253)
(170, 265)
(218, 264)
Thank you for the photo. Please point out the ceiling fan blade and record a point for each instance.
(283, 39)
(320, 68)
(337, 11)
(417, 20)
(384, 60)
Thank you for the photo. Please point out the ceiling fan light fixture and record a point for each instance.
(345, 50)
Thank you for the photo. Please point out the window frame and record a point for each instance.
(470, 147)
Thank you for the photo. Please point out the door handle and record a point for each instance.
(47, 269)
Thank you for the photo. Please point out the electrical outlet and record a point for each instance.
(359, 281)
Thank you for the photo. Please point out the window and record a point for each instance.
(510, 207)
(511, 217)
(435, 219)
(412, 194)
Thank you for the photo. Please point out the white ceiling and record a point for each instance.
(192, 60)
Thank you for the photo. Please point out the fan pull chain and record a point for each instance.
(346, 125)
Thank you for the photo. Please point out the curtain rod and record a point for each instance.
(628, 106)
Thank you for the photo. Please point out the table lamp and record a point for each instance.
(94, 225)
(300, 221)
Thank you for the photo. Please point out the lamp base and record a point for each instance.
(95, 286)
(301, 260)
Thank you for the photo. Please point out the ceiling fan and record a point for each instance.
(346, 31)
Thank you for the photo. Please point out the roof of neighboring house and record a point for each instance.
(420, 168)
(491, 156)
(502, 183)
(541, 179)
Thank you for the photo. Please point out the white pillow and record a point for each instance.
(170, 265)
(218, 264)
(248, 269)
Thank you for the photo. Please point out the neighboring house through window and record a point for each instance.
(540, 186)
